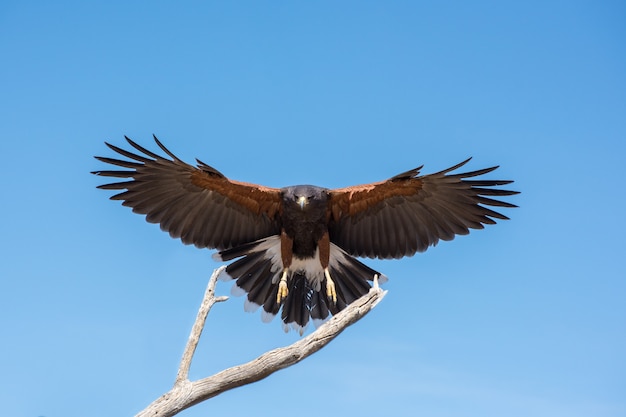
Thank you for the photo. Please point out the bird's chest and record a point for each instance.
(306, 229)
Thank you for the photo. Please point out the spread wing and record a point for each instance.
(199, 204)
(408, 213)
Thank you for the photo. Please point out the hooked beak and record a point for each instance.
(302, 201)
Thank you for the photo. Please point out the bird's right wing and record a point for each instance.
(199, 204)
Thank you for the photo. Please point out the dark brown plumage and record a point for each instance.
(293, 247)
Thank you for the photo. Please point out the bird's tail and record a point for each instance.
(258, 271)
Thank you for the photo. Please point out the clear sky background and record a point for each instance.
(525, 318)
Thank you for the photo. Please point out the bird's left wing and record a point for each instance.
(199, 204)
(408, 213)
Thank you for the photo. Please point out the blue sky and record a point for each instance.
(524, 318)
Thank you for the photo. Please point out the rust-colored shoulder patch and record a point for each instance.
(256, 198)
(353, 200)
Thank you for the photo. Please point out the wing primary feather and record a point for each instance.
(118, 162)
(128, 154)
(164, 149)
(115, 174)
(472, 173)
(494, 214)
(452, 168)
(142, 149)
(115, 186)
(492, 202)
(493, 191)
(488, 183)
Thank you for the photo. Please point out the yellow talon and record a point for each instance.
(330, 286)
(283, 291)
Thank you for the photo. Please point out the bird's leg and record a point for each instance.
(286, 253)
(330, 286)
(376, 287)
(324, 253)
(282, 287)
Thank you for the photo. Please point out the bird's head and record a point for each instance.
(305, 196)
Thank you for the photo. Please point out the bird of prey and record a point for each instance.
(295, 247)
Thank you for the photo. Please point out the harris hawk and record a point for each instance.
(295, 247)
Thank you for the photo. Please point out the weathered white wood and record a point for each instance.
(207, 302)
(186, 393)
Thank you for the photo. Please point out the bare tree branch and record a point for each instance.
(207, 302)
(186, 393)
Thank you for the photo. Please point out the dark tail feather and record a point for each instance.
(319, 307)
(254, 274)
(297, 306)
(350, 282)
